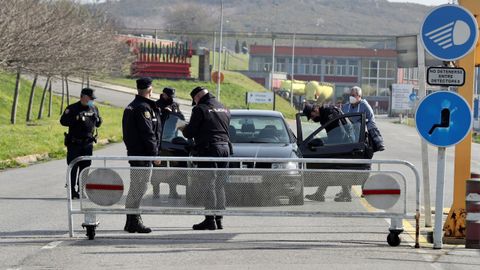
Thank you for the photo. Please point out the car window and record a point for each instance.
(170, 130)
(344, 131)
(258, 129)
(308, 127)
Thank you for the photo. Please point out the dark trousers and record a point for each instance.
(74, 151)
(214, 181)
(139, 179)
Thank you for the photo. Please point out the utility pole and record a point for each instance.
(214, 49)
(272, 70)
(293, 71)
(220, 51)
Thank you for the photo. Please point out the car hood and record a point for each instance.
(264, 150)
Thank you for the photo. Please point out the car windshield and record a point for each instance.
(258, 129)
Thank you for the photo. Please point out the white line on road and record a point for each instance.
(52, 245)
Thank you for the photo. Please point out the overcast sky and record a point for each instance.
(424, 2)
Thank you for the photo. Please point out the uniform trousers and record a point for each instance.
(139, 179)
(73, 151)
(213, 182)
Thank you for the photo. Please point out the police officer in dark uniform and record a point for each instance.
(81, 118)
(209, 128)
(142, 131)
(167, 107)
(323, 114)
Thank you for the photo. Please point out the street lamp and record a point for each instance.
(220, 50)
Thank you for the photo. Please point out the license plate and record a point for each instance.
(250, 179)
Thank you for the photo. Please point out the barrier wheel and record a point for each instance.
(90, 232)
(393, 239)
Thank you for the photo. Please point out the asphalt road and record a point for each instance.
(33, 227)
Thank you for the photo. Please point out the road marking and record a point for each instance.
(52, 245)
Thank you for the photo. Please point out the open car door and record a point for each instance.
(341, 137)
(173, 142)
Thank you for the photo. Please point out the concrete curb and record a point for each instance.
(35, 158)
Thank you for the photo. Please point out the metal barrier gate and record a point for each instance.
(253, 187)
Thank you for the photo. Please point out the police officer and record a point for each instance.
(81, 118)
(323, 114)
(209, 128)
(167, 107)
(142, 130)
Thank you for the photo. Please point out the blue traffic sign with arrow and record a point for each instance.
(443, 118)
(449, 32)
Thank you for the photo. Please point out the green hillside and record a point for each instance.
(235, 61)
(232, 91)
(41, 136)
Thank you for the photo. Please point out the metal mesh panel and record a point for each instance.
(255, 189)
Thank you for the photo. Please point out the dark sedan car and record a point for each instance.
(266, 134)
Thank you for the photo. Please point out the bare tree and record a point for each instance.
(52, 37)
(63, 94)
(30, 100)
(42, 101)
(13, 117)
(180, 17)
(50, 99)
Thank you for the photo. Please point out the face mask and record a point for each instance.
(168, 101)
(352, 100)
(90, 103)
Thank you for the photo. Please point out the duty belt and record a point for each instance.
(81, 141)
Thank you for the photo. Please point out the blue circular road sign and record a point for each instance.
(443, 118)
(412, 97)
(449, 32)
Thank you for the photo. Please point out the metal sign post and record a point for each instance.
(443, 119)
(439, 202)
(449, 33)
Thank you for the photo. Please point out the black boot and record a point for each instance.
(127, 223)
(75, 195)
(218, 222)
(136, 225)
(173, 192)
(207, 224)
(156, 191)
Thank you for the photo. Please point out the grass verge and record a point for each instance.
(45, 135)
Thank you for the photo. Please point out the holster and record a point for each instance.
(66, 139)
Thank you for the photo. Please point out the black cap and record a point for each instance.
(144, 83)
(195, 91)
(307, 110)
(88, 92)
(169, 91)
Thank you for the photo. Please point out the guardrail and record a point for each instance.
(253, 187)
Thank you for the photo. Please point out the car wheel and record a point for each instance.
(297, 200)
